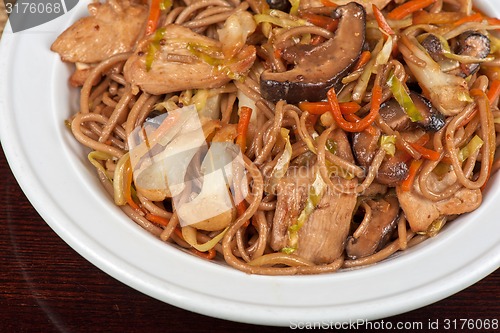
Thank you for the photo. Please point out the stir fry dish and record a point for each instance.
(288, 136)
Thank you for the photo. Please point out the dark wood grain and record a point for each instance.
(45, 286)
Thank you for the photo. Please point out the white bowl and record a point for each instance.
(52, 170)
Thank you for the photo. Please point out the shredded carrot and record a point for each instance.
(157, 219)
(354, 118)
(328, 3)
(381, 21)
(363, 59)
(128, 188)
(242, 129)
(494, 91)
(407, 184)
(469, 118)
(154, 15)
(277, 53)
(426, 152)
(241, 208)
(209, 255)
(477, 17)
(318, 108)
(423, 17)
(492, 20)
(408, 8)
(362, 124)
(349, 107)
(422, 141)
(322, 21)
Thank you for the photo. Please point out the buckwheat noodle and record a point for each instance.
(111, 108)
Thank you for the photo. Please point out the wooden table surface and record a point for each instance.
(45, 286)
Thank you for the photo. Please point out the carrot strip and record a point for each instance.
(426, 152)
(469, 118)
(354, 118)
(363, 59)
(322, 21)
(423, 17)
(154, 15)
(318, 108)
(315, 107)
(241, 208)
(209, 255)
(494, 91)
(328, 3)
(178, 233)
(408, 8)
(128, 188)
(381, 21)
(157, 219)
(242, 129)
(407, 184)
(492, 20)
(349, 107)
(363, 123)
(477, 17)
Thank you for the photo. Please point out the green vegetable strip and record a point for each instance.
(316, 191)
(403, 98)
(474, 145)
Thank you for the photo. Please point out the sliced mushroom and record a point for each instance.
(433, 120)
(395, 116)
(283, 5)
(434, 47)
(373, 233)
(322, 67)
(393, 169)
(472, 44)
(364, 146)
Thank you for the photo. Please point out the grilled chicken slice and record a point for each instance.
(176, 66)
(421, 212)
(322, 237)
(112, 27)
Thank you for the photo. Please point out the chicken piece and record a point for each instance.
(322, 237)
(176, 66)
(292, 193)
(112, 27)
(421, 212)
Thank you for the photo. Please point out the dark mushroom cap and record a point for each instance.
(434, 47)
(376, 233)
(394, 169)
(322, 67)
(283, 5)
(395, 116)
(473, 44)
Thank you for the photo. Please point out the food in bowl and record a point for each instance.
(288, 137)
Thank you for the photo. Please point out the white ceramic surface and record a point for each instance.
(52, 170)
